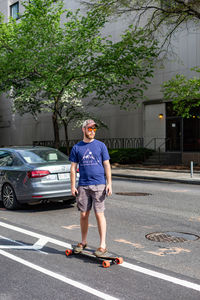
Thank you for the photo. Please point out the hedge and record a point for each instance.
(129, 156)
(124, 156)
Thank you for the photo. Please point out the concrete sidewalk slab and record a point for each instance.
(160, 175)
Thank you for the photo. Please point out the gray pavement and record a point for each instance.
(180, 176)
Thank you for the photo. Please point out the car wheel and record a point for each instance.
(8, 197)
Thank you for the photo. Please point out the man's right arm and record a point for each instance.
(74, 191)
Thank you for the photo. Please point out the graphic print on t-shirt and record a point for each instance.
(88, 158)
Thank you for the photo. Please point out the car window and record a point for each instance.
(8, 159)
(5, 158)
(43, 156)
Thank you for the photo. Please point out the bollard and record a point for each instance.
(191, 169)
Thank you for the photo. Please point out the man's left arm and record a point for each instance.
(107, 169)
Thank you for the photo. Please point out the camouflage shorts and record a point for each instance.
(91, 195)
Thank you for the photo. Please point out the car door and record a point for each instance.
(5, 157)
(8, 163)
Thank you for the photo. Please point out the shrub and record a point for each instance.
(124, 156)
(129, 156)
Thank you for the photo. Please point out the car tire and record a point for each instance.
(8, 197)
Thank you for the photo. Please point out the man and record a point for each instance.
(92, 158)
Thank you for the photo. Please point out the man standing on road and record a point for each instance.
(95, 183)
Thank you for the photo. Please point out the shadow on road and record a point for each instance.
(41, 207)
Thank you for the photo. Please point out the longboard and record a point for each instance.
(106, 260)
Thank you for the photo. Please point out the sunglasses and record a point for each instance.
(92, 129)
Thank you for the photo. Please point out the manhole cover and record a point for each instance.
(133, 194)
(172, 237)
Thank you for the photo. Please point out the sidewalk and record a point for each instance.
(157, 173)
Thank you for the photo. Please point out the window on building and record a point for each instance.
(14, 10)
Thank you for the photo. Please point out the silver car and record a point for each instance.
(33, 174)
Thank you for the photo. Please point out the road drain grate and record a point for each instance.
(133, 194)
(171, 237)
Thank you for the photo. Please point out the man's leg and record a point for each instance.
(84, 216)
(101, 222)
(84, 204)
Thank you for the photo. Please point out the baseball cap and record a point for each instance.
(88, 123)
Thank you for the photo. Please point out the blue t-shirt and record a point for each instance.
(90, 157)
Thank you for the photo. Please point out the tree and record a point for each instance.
(43, 59)
(163, 19)
(72, 110)
(185, 94)
(153, 16)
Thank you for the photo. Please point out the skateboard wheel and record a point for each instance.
(68, 252)
(106, 264)
(119, 260)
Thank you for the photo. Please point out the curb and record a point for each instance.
(185, 181)
(158, 170)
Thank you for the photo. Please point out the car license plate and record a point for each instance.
(63, 176)
(50, 177)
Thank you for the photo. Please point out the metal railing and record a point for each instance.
(124, 143)
(157, 143)
(63, 143)
(112, 143)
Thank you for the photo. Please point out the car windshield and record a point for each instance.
(43, 156)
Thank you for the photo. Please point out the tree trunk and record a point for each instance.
(56, 130)
(66, 136)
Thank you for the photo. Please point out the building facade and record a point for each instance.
(153, 120)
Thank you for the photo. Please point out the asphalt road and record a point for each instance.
(33, 242)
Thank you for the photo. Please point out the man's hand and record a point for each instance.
(108, 189)
(74, 192)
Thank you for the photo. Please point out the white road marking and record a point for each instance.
(36, 235)
(133, 267)
(62, 278)
(22, 246)
(159, 275)
(41, 243)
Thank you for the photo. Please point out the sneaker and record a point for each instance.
(100, 252)
(79, 248)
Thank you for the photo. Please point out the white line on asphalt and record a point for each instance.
(41, 243)
(36, 235)
(136, 268)
(159, 275)
(62, 278)
(23, 246)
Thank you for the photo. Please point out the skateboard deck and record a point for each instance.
(106, 260)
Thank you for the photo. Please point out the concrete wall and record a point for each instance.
(152, 123)
(4, 5)
(17, 130)
(25, 130)
(140, 122)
